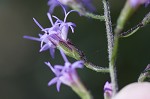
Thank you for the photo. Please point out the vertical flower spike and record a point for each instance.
(107, 90)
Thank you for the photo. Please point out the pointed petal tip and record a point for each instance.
(25, 36)
(47, 63)
(40, 50)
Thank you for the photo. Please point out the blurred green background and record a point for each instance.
(23, 74)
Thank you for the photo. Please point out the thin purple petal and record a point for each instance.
(52, 4)
(59, 67)
(53, 81)
(32, 38)
(52, 52)
(50, 66)
(45, 47)
(77, 64)
(38, 24)
(50, 18)
(58, 85)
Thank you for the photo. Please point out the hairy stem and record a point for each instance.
(111, 47)
(94, 16)
(75, 53)
(96, 68)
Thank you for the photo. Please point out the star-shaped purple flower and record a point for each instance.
(65, 74)
(64, 26)
(58, 32)
(46, 37)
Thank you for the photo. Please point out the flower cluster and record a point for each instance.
(56, 36)
(51, 36)
(65, 74)
(49, 40)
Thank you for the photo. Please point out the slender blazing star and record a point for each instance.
(58, 31)
(65, 74)
(45, 38)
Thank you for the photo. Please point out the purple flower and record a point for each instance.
(64, 26)
(48, 35)
(108, 88)
(51, 36)
(65, 74)
(81, 4)
(136, 3)
(52, 4)
(88, 5)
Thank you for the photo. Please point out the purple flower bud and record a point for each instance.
(136, 3)
(108, 88)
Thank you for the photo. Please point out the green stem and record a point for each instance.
(125, 14)
(96, 68)
(75, 53)
(107, 96)
(131, 31)
(110, 38)
(81, 91)
(145, 75)
(144, 22)
(91, 15)
(112, 46)
(112, 64)
(85, 13)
